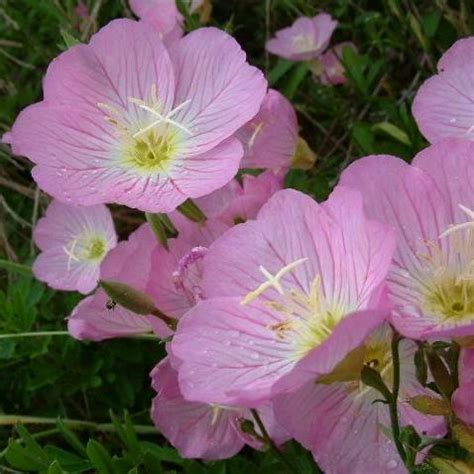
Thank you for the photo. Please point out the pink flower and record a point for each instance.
(443, 106)
(236, 203)
(93, 318)
(269, 139)
(163, 15)
(289, 295)
(332, 69)
(462, 397)
(429, 204)
(199, 430)
(306, 39)
(122, 122)
(73, 242)
(338, 419)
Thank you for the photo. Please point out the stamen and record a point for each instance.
(255, 133)
(463, 225)
(70, 254)
(272, 281)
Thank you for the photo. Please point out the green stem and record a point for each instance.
(6, 420)
(269, 441)
(393, 400)
(192, 211)
(65, 333)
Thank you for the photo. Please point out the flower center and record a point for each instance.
(86, 248)
(448, 290)
(309, 317)
(149, 138)
(303, 43)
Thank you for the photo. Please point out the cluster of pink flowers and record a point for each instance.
(273, 305)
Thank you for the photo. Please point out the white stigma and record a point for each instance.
(273, 281)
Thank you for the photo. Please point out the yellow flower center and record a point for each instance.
(309, 317)
(149, 138)
(447, 288)
(86, 248)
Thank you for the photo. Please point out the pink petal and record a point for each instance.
(333, 70)
(444, 104)
(91, 320)
(269, 139)
(195, 429)
(163, 15)
(224, 90)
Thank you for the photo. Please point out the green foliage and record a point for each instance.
(398, 42)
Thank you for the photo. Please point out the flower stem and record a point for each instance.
(393, 401)
(269, 441)
(65, 333)
(6, 420)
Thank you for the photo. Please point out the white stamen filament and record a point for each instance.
(463, 225)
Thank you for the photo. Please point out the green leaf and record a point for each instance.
(55, 468)
(14, 267)
(281, 68)
(71, 437)
(100, 458)
(421, 367)
(393, 131)
(69, 39)
(296, 78)
(372, 378)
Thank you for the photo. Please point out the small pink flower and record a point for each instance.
(95, 318)
(269, 139)
(73, 242)
(236, 203)
(288, 296)
(443, 106)
(200, 430)
(306, 39)
(163, 15)
(462, 397)
(339, 420)
(430, 205)
(332, 69)
(124, 121)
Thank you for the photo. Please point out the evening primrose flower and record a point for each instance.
(330, 70)
(74, 241)
(341, 420)
(294, 290)
(306, 39)
(124, 121)
(430, 205)
(443, 105)
(270, 138)
(97, 317)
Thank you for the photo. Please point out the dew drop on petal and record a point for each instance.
(392, 464)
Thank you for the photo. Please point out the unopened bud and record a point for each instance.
(429, 405)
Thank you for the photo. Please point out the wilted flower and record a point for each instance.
(289, 295)
(330, 69)
(443, 106)
(122, 122)
(270, 138)
(430, 205)
(199, 430)
(73, 241)
(342, 421)
(237, 202)
(306, 39)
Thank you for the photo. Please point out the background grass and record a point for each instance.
(399, 43)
